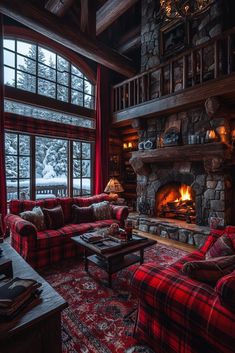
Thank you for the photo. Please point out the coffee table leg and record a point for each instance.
(109, 267)
(141, 256)
(85, 260)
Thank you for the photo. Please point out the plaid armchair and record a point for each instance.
(42, 248)
(177, 314)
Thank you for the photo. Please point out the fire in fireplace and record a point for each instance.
(176, 200)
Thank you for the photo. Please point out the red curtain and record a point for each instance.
(3, 196)
(102, 130)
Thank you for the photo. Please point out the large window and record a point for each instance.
(33, 68)
(39, 167)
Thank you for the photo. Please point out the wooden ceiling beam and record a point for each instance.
(58, 7)
(51, 26)
(110, 12)
(130, 41)
(88, 18)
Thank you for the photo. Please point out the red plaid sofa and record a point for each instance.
(177, 314)
(42, 248)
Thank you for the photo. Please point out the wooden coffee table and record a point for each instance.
(114, 260)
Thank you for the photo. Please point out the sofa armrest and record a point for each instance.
(211, 239)
(225, 289)
(18, 225)
(119, 213)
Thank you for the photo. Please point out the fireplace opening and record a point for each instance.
(177, 201)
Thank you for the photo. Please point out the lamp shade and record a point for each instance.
(113, 186)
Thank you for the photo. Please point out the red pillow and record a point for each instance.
(54, 217)
(211, 270)
(222, 247)
(82, 214)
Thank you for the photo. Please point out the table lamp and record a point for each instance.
(113, 188)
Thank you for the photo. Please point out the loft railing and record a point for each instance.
(211, 60)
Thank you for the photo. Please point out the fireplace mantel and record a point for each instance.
(215, 156)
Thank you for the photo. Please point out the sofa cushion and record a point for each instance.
(82, 214)
(211, 270)
(225, 288)
(35, 216)
(50, 238)
(222, 247)
(54, 217)
(102, 210)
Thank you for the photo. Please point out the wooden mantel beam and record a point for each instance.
(110, 11)
(58, 7)
(51, 26)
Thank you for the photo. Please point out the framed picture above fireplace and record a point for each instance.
(174, 37)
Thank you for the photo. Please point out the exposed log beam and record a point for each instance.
(58, 7)
(187, 99)
(132, 44)
(130, 41)
(110, 11)
(51, 26)
(88, 18)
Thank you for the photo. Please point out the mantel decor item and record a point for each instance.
(113, 188)
(184, 9)
(172, 137)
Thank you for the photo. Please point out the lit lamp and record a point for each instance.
(113, 188)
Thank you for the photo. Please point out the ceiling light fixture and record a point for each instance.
(184, 9)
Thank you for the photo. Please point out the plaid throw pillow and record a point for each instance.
(82, 214)
(102, 210)
(222, 247)
(225, 288)
(211, 270)
(54, 217)
(35, 216)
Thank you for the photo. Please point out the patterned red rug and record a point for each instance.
(95, 320)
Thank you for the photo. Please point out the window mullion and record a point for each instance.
(70, 169)
(32, 168)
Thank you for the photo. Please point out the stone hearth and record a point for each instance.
(171, 229)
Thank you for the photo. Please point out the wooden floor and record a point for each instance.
(169, 242)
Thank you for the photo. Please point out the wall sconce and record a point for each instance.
(127, 146)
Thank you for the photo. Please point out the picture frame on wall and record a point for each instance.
(174, 37)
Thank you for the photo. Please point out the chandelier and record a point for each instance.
(184, 9)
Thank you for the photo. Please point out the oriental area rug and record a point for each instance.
(99, 319)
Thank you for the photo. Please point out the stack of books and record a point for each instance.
(16, 293)
(92, 237)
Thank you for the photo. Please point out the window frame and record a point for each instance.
(57, 84)
(70, 165)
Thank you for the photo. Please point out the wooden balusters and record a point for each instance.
(185, 71)
(161, 82)
(171, 74)
(129, 93)
(163, 79)
(201, 64)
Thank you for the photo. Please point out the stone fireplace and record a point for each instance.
(177, 201)
(205, 168)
